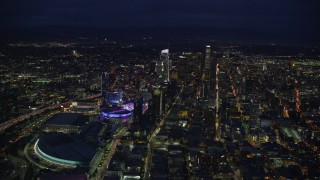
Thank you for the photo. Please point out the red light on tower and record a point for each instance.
(297, 97)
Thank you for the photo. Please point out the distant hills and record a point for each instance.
(241, 35)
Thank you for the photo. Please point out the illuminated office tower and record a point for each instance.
(217, 107)
(114, 97)
(163, 66)
(138, 109)
(264, 66)
(207, 62)
(104, 83)
(297, 96)
(159, 68)
(164, 58)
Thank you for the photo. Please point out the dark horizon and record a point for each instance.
(157, 33)
(287, 22)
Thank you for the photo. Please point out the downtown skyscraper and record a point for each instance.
(163, 66)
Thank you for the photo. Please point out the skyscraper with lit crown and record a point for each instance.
(207, 62)
(164, 58)
(163, 66)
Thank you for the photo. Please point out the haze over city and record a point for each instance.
(285, 21)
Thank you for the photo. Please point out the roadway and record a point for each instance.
(20, 168)
(37, 123)
(148, 160)
(21, 118)
(11, 122)
(98, 172)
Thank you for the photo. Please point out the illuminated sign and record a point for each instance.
(145, 107)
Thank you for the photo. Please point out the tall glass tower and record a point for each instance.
(104, 83)
(164, 58)
(207, 62)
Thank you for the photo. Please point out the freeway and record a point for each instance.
(37, 123)
(11, 122)
(21, 118)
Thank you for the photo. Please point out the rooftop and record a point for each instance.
(73, 119)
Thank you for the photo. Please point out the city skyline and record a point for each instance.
(138, 89)
(254, 116)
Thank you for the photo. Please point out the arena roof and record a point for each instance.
(64, 146)
(72, 119)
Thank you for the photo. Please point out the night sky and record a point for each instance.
(298, 18)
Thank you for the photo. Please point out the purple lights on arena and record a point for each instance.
(117, 114)
(115, 109)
